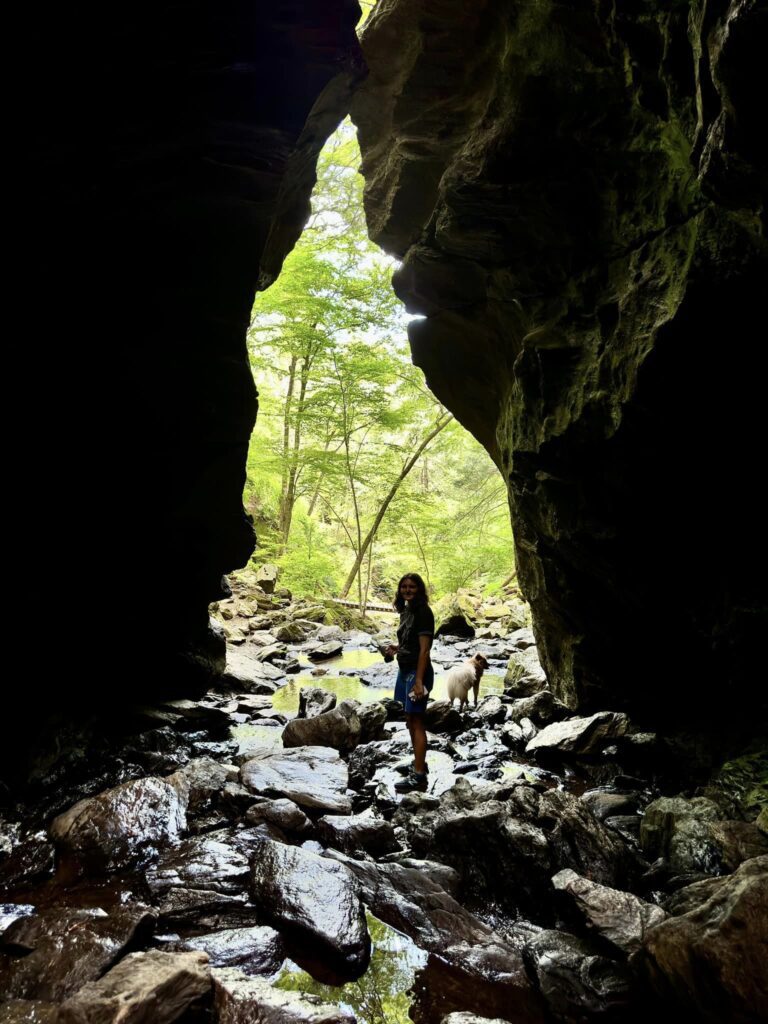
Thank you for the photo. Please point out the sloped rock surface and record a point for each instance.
(314, 897)
(710, 959)
(143, 986)
(618, 917)
(65, 948)
(579, 736)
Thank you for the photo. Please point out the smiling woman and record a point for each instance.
(415, 676)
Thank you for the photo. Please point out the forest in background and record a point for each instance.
(356, 474)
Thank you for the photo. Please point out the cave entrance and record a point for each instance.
(356, 472)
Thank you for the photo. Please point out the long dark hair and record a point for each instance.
(421, 594)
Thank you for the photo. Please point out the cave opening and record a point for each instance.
(576, 195)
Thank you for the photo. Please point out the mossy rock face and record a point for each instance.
(743, 781)
(348, 618)
(455, 615)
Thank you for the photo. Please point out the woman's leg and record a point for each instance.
(418, 732)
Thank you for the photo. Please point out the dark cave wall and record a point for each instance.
(576, 191)
(173, 153)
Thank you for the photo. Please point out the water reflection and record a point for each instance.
(382, 995)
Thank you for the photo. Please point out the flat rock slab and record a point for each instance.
(121, 826)
(313, 777)
(314, 897)
(256, 950)
(247, 674)
(580, 736)
(239, 999)
(323, 651)
(67, 948)
(618, 917)
(144, 987)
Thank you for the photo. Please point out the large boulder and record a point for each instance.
(315, 701)
(525, 675)
(154, 986)
(711, 960)
(313, 777)
(579, 737)
(339, 728)
(312, 897)
(122, 826)
(255, 950)
(620, 918)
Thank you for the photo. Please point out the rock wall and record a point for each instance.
(172, 154)
(577, 193)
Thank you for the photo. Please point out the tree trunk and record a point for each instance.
(442, 422)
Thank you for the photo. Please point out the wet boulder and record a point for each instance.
(255, 950)
(411, 898)
(711, 960)
(358, 833)
(210, 861)
(314, 898)
(541, 708)
(122, 826)
(441, 716)
(606, 803)
(372, 717)
(313, 777)
(246, 674)
(491, 710)
(29, 1011)
(314, 701)
(239, 999)
(321, 651)
(285, 814)
(524, 675)
(577, 981)
(65, 948)
(339, 728)
(579, 737)
(200, 781)
(679, 830)
(204, 909)
(620, 918)
(144, 986)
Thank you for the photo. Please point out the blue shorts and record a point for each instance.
(405, 680)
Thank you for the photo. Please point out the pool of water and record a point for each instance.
(349, 687)
(382, 995)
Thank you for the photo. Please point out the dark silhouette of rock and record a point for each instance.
(711, 959)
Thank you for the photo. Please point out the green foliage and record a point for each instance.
(356, 474)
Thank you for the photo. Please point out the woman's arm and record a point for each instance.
(425, 642)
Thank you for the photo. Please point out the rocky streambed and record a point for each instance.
(244, 856)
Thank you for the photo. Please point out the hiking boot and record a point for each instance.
(414, 781)
(406, 769)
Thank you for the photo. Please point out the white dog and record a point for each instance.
(465, 677)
